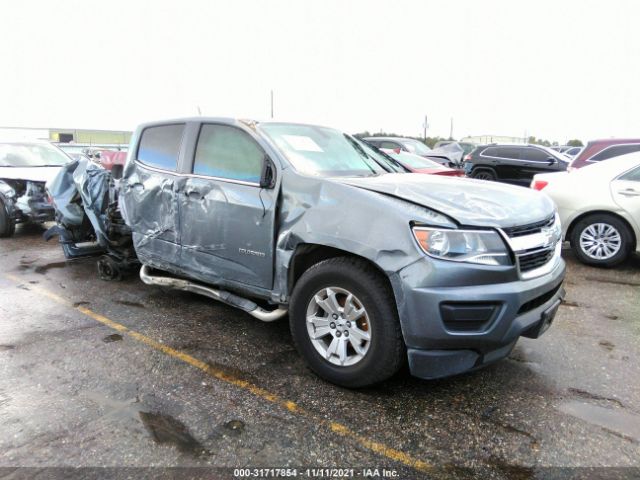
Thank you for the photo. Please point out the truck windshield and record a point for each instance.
(325, 152)
(31, 155)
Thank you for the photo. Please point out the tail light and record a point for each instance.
(467, 158)
(539, 184)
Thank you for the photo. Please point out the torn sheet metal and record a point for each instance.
(89, 222)
(82, 189)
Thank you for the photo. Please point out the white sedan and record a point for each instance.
(599, 207)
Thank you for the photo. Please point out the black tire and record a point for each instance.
(484, 174)
(7, 223)
(626, 237)
(108, 268)
(386, 353)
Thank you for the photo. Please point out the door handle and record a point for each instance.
(192, 194)
(629, 192)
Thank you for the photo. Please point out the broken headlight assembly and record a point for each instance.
(484, 247)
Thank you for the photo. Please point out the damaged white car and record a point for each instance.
(25, 167)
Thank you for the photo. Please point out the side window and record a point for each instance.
(615, 151)
(159, 146)
(389, 145)
(490, 152)
(535, 155)
(632, 176)
(228, 152)
(512, 153)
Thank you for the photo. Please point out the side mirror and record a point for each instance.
(268, 176)
(551, 160)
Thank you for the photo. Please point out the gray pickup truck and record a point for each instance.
(374, 266)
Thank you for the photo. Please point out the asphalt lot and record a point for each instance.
(113, 374)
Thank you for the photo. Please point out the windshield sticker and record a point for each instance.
(302, 143)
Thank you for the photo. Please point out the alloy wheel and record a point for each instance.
(338, 326)
(600, 241)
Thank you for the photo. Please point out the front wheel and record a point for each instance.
(601, 240)
(344, 323)
(7, 223)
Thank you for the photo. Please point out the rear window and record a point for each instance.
(615, 151)
(159, 146)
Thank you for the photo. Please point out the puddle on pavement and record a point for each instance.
(594, 396)
(42, 269)
(615, 420)
(606, 344)
(129, 304)
(166, 429)
(114, 337)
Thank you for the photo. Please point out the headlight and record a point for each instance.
(8, 192)
(473, 246)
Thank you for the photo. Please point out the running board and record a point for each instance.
(225, 297)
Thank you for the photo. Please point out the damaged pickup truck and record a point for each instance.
(24, 169)
(374, 266)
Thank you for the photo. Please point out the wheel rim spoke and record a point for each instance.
(320, 332)
(338, 326)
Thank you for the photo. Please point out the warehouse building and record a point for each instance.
(103, 138)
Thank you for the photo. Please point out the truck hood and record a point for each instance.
(467, 201)
(34, 174)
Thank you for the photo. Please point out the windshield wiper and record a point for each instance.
(362, 153)
(388, 157)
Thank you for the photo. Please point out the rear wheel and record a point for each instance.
(344, 323)
(483, 174)
(7, 223)
(601, 240)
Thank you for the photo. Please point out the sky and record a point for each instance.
(557, 70)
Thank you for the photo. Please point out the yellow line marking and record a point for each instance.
(337, 428)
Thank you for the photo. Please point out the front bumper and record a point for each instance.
(451, 330)
(36, 210)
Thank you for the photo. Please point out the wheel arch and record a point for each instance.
(483, 167)
(308, 254)
(602, 212)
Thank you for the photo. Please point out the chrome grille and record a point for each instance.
(529, 229)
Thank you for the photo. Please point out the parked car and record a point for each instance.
(24, 169)
(113, 160)
(515, 164)
(373, 267)
(599, 207)
(599, 150)
(410, 145)
(418, 164)
(572, 151)
(453, 152)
